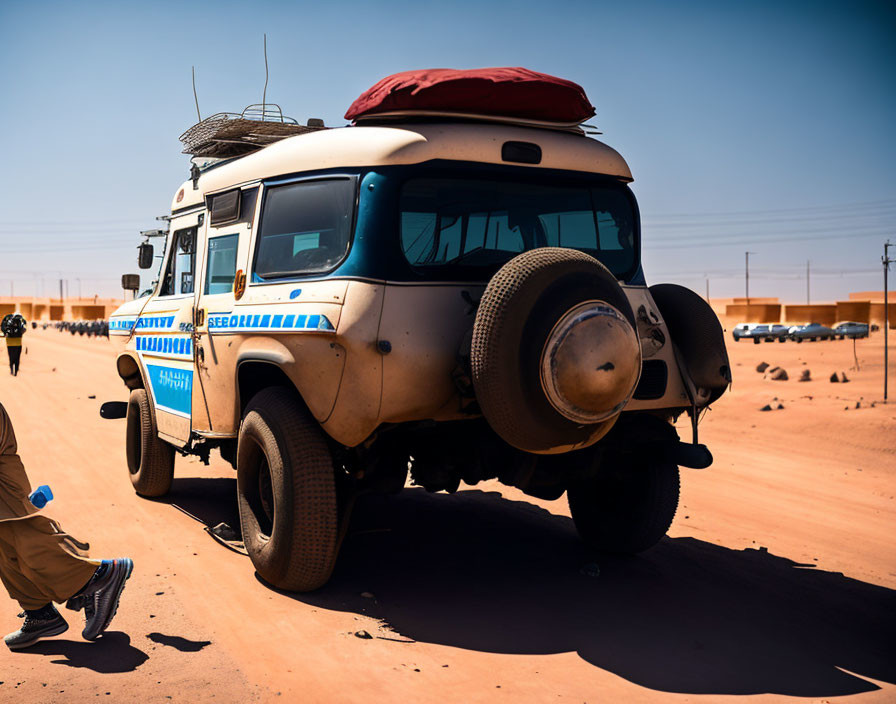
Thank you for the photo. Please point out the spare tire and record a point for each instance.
(696, 330)
(554, 354)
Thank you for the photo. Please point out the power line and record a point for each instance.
(886, 202)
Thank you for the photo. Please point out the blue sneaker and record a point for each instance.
(101, 595)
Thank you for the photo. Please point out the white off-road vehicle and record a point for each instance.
(454, 296)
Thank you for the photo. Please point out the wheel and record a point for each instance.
(628, 507)
(150, 459)
(286, 490)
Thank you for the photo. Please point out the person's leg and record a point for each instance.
(47, 558)
(15, 357)
(42, 620)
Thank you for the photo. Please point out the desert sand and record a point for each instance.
(776, 581)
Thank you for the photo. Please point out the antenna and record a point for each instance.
(264, 95)
(195, 97)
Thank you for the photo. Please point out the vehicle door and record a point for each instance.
(162, 333)
(224, 254)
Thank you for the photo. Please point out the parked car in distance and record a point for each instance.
(812, 331)
(760, 332)
(851, 329)
(743, 331)
(776, 332)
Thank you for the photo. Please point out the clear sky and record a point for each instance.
(760, 126)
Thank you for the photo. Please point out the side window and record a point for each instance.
(305, 228)
(178, 279)
(221, 265)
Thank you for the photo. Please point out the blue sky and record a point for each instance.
(762, 126)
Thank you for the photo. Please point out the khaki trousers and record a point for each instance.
(40, 563)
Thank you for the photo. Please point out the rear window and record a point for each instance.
(305, 228)
(471, 222)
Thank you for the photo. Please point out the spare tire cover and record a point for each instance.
(696, 330)
(554, 354)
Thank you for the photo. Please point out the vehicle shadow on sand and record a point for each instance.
(208, 500)
(482, 572)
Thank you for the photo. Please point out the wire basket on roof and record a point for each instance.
(230, 134)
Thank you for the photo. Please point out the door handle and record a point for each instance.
(239, 284)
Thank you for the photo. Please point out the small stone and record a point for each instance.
(592, 569)
(779, 375)
(761, 367)
(780, 406)
(364, 635)
(834, 379)
(766, 407)
(843, 379)
(805, 376)
(92, 396)
(858, 404)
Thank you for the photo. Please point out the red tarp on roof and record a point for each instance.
(500, 92)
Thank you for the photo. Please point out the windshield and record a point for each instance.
(483, 223)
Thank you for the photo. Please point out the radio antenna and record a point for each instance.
(195, 97)
(264, 95)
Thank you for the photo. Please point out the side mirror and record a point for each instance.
(144, 256)
(131, 282)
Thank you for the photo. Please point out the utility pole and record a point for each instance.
(807, 282)
(747, 276)
(60, 289)
(886, 262)
(707, 289)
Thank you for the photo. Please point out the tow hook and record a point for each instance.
(692, 455)
(114, 409)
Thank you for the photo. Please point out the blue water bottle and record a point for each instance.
(41, 496)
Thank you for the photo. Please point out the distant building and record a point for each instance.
(40, 309)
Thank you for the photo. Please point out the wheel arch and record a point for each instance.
(255, 374)
(130, 371)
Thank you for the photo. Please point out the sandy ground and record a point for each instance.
(777, 579)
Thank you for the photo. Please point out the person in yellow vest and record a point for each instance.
(13, 327)
(40, 563)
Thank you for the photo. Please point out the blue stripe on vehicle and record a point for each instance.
(169, 346)
(172, 389)
(226, 322)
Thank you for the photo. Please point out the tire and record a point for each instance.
(696, 330)
(628, 507)
(286, 491)
(520, 306)
(150, 459)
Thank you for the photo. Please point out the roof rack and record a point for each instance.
(230, 134)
